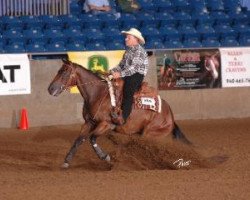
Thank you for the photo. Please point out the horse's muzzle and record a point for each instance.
(55, 90)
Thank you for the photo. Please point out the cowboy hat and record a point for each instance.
(136, 33)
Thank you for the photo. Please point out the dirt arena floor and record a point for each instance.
(215, 167)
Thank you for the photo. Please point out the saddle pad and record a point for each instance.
(148, 103)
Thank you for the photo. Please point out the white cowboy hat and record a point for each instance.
(136, 33)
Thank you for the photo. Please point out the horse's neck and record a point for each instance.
(90, 86)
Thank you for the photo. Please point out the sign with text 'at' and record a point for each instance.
(14, 74)
(235, 67)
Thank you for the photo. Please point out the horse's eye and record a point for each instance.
(60, 71)
(64, 73)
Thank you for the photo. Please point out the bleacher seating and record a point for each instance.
(244, 40)
(155, 44)
(14, 48)
(165, 24)
(55, 46)
(114, 45)
(98, 46)
(35, 47)
(210, 42)
(75, 46)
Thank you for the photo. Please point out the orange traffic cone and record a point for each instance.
(24, 120)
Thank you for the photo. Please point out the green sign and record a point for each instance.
(98, 63)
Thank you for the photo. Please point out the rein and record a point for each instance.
(64, 87)
(72, 79)
(101, 103)
(86, 83)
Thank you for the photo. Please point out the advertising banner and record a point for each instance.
(188, 69)
(235, 67)
(14, 74)
(96, 60)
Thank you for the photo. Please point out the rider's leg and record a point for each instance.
(131, 85)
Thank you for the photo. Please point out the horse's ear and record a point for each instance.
(66, 61)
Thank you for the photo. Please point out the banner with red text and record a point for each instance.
(235, 67)
(188, 69)
(14, 74)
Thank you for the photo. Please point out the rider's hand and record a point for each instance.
(116, 75)
(110, 77)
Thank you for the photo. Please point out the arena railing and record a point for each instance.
(34, 7)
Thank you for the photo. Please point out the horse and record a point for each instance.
(96, 111)
(211, 64)
(210, 70)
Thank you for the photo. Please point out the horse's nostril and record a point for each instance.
(50, 89)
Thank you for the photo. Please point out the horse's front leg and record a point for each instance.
(101, 129)
(82, 138)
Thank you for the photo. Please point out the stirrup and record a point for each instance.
(115, 112)
(114, 115)
(118, 121)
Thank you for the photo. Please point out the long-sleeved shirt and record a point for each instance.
(135, 60)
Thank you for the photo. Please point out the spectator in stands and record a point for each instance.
(99, 7)
(129, 6)
(132, 69)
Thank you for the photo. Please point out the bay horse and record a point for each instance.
(97, 107)
(211, 64)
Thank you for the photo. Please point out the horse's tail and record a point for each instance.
(179, 135)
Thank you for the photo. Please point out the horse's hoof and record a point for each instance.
(108, 159)
(65, 166)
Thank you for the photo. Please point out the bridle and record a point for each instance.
(72, 81)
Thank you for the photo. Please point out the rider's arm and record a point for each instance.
(137, 63)
(119, 67)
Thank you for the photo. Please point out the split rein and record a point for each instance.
(64, 88)
(72, 78)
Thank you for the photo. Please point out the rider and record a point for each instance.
(132, 69)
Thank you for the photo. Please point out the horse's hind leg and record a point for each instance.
(101, 129)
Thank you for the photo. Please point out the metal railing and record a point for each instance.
(34, 7)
